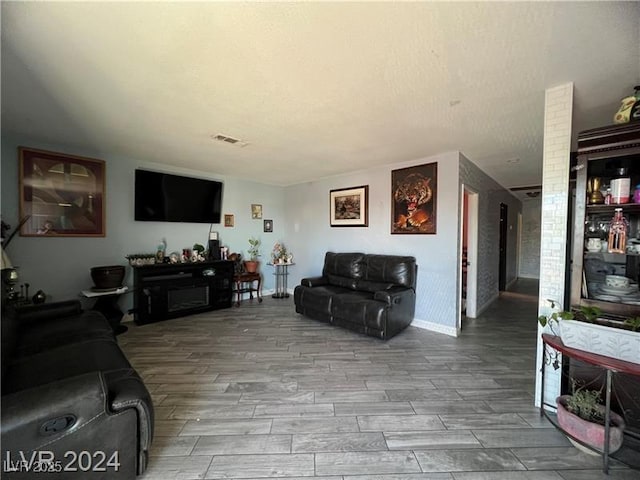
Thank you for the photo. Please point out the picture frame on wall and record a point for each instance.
(413, 199)
(349, 207)
(228, 220)
(256, 211)
(268, 226)
(61, 195)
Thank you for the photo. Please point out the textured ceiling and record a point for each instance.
(314, 89)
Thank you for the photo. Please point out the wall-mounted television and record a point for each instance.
(162, 197)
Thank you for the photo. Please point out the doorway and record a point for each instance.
(468, 254)
(504, 221)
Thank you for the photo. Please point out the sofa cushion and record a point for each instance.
(318, 298)
(349, 265)
(344, 282)
(399, 270)
(358, 307)
(369, 286)
(63, 362)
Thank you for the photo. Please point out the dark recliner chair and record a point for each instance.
(67, 387)
(371, 294)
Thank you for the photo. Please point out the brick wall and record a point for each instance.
(555, 202)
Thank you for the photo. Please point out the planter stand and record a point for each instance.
(609, 364)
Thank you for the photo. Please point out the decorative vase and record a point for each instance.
(590, 433)
(107, 277)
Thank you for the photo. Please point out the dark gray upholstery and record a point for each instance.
(370, 294)
(61, 363)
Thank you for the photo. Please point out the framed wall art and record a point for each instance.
(349, 207)
(228, 220)
(268, 226)
(256, 211)
(62, 195)
(413, 199)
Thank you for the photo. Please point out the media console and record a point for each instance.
(167, 291)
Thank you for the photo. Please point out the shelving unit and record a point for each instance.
(600, 152)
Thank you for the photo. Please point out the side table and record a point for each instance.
(244, 284)
(107, 304)
(281, 273)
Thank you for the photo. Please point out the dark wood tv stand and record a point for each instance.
(167, 291)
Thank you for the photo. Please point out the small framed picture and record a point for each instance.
(256, 211)
(268, 226)
(228, 220)
(349, 207)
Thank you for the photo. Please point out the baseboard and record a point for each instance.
(435, 327)
(486, 305)
(529, 277)
(511, 283)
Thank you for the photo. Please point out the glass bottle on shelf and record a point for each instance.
(617, 242)
(621, 186)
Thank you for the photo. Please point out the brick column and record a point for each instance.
(558, 109)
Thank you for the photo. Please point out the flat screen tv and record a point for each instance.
(162, 197)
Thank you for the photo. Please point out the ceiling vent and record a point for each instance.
(221, 137)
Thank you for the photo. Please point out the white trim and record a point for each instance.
(532, 277)
(487, 304)
(435, 327)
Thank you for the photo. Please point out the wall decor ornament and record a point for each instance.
(228, 220)
(413, 199)
(256, 211)
(63, 195)
(349, 207)
(268, 226)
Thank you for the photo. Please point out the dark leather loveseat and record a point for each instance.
(70, 399)
(371, 294)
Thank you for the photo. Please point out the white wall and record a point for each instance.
(558, 116)
(60, 266)
(530, 241)
(310, 236)
(490, 196)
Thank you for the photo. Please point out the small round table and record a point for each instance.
(281, 273)
(107, 304)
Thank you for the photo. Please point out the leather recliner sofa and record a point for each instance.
(370, 294)
(71, 402)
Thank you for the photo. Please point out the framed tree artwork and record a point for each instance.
(413, 199)
(61, 195)
(349, 207)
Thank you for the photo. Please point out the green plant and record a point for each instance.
(555, 317)
(584, 313)
(588, 314)
(586, 404)
(254, 249)
(633, 324)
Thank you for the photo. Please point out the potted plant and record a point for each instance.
(586, 329)
(251, 265)
(582, 416)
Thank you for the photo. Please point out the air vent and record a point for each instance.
(221, 137)
(225, 138)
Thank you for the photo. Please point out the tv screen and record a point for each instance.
(161, 197)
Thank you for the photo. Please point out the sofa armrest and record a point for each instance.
(45, 311)
(314, 281)
(127, 391)
(35, 418)
(394, 295)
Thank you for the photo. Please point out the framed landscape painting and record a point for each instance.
(349, 207)
(61, 195)
(413, 199)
